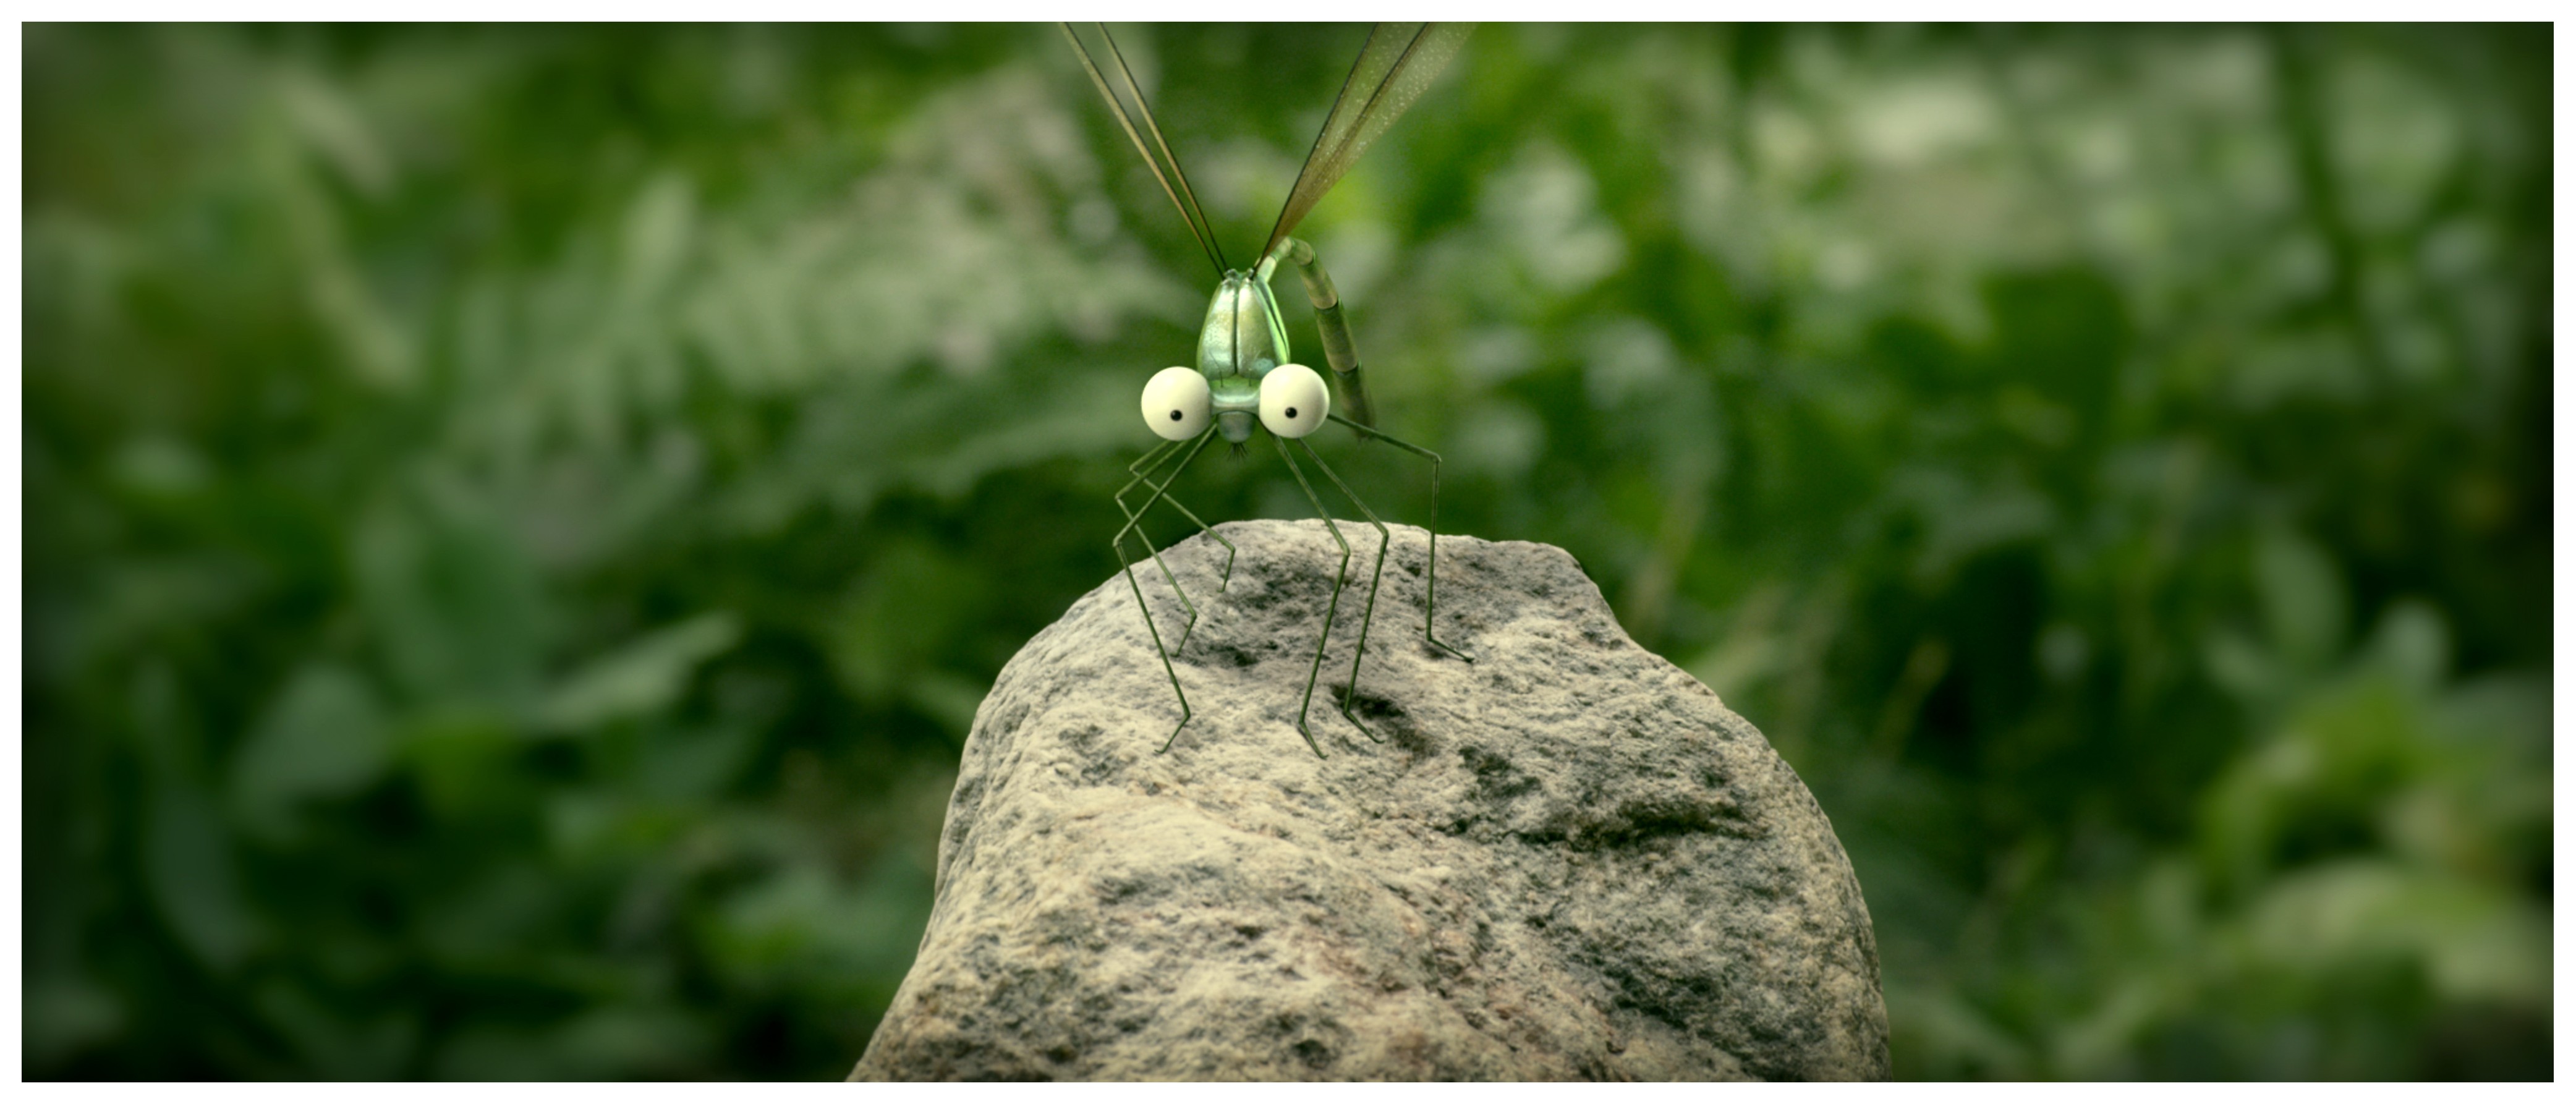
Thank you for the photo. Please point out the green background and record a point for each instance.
(518, 520)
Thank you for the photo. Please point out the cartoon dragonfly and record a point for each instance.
(1243, 370)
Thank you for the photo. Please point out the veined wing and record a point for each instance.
(1182, 197)
(1398, 62)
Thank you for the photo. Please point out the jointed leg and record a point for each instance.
(1340, 353)
(1141, 471)
(1330, 607)
(1135, 523)
(1431, 582)
(1117, 546)
(1369, 610)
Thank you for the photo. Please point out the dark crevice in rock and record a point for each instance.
(1236, 656)
(1497, 781)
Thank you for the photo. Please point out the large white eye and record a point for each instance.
(1176, 403)
(1293, 400)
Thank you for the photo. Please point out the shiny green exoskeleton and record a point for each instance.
(1241, 341)
(1244, 376)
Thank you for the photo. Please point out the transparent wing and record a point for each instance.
(1167, 170)
(1397, 63)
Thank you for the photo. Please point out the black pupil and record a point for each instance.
(1292, 412)
(1176, 415)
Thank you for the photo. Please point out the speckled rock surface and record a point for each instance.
(1566, 860)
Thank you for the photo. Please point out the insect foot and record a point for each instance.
(1568, 861)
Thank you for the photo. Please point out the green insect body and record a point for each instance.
(1244, 376)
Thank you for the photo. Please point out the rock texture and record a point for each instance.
(1566, 860)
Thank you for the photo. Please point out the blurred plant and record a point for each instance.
(519, 518)
(445, 446)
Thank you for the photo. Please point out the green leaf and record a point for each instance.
(805, 918)
(188, 864)
(690, 766)
(2413, 643)
(454, 601)
(67, 1014)
(904, 607)
(2474, 942)
(641, 678)
(335, 1045)
(2302, 596)
(323, 736)
(2241, 667)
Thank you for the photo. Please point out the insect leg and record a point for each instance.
(1431, 584)
(1142, 471)
(1330, 607)
(1117, 547)
(1369, 610)
(1335, 329)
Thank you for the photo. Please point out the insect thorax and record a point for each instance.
(1243, 336)
(1241, 341)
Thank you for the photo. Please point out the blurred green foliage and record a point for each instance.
(518, 520)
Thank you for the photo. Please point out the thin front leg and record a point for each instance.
(1117, 547)
(1140, 471)
(1340, 353)
(1335, 604)
(1369, 610)
(1431, 583)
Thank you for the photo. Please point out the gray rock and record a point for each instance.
(1566, 860)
